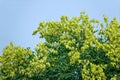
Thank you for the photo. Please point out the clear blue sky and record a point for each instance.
(19, 18)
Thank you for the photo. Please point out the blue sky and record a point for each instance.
(19, 18)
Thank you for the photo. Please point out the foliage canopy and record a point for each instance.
(79, 48)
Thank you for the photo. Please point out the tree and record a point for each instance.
(74, 49)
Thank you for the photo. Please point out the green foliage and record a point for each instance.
(74, 49)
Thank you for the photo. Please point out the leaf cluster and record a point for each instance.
(79, 48)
